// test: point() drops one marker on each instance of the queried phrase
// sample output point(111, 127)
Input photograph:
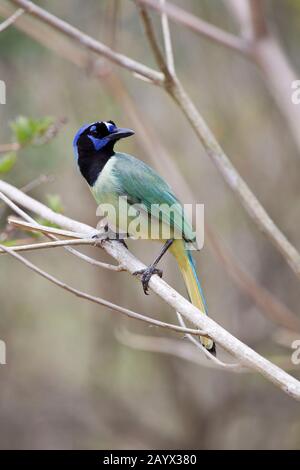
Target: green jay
point(117, 178)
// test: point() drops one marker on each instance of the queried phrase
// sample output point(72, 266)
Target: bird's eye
point(93, 131)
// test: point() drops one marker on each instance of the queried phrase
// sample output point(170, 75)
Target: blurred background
point(77, 375)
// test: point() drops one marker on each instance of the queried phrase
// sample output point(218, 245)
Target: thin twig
point(98, 300)
point(258, 44)
point(9, 21)
point(54, 244)
point(259, 23)
point(199, 345)
point(268, 55)
point(13, 147)
point(41, 179)
point(245, 355)
point(167, 40)
point(173, 347)
point(74, 252)
point(90, 43)
point(192, 22)
point(158, 55)
point(35, 227)
point(182, 350)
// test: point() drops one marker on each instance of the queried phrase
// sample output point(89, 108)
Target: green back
point(142, 185)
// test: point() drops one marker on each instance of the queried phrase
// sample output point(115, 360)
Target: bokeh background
point(76, 374)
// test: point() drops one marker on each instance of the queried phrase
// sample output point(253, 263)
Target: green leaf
point(27, 130)
point(7, 161)
point(23, 129)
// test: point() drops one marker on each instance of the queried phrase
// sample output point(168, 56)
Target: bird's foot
point(146, 276)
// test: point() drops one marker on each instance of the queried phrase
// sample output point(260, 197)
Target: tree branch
point(74, 252)
point(9, 21)
point(182, 350)
point(90, 43)
point(173, 347)
point(259, 45)
point(192, 22)
point(167, 40)
point(240, 351)
point(259, 23)
point(98, 300)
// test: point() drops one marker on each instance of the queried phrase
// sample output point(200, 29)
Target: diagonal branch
point(192, 22)
point(167, 40)
point(89, 43)
point(258, 45)
point(222, 162)
point(236, 348)
point(74, 252)
point(258, 20)
point(9, 21)
point(98, 300)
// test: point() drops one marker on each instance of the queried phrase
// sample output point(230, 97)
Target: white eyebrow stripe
point(108, 125)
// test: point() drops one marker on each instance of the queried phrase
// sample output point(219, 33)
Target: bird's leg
point(150, 270)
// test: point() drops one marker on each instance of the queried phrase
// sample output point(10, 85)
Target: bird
point(132, 188)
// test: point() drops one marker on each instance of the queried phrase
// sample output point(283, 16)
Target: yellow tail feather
point(187, 269)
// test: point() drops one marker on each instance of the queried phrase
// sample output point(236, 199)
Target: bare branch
point(234, 180)
point(160, 60)
point(259, 23)
point(55, 244)
point(267, 53)
point(169, 346)
point(259, 46)
point(192, 22)
point(198, 345)
point(90, 43)
point(183, 350)
point(167, 40)
point(43, 228)
point(84, 257)
point(245, 355)
point(41, 179)
point(9, 21)
point(98, 300)
point(13, 147)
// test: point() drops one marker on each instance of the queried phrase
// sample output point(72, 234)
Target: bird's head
point(96, 137)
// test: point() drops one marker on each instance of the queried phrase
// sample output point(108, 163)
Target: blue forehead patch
point(79, 132)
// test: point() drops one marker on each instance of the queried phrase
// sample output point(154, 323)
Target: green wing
point(142, 185)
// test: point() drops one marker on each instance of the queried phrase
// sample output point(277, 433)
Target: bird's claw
point(146, 276)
